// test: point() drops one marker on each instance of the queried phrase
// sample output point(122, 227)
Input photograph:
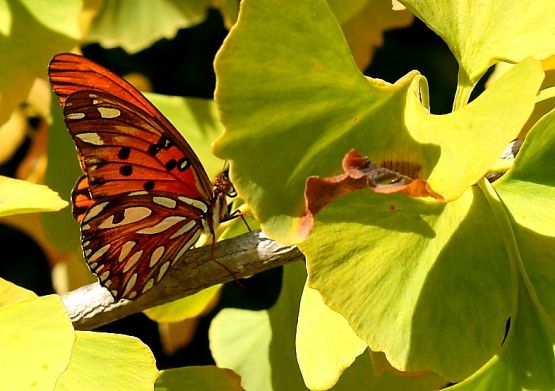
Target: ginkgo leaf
point(482, 33)
point(97, 365)
point(11, 293)
point(136, 25)
point(314, 94)
point(17, 196)
point(57, 25)
point(326, 345)
point(185, 308)
point(37, 338)
point(386, 263)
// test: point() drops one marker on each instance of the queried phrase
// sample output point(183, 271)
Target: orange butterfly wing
point(145, 197)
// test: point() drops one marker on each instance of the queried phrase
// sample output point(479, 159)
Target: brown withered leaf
point(359, 173)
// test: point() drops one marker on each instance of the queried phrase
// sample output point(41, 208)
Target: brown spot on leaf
point(360, 173)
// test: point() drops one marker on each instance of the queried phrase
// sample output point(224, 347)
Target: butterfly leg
point(237, 213)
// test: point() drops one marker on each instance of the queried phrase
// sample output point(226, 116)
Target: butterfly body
point(145, 198)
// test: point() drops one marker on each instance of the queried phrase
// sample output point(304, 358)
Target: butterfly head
point(223, 185)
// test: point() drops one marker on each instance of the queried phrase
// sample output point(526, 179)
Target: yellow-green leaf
point(259, 345)
point(474, 137)
point(482, 33)
point(326, 344)
point(11, 293)
point(185, 308)
point(528, 189)
point(37, 337)
point(17, 196)
point(135, 25)
point(386, 263)
point(526, 362)
point(103, 361)
point(24, 57)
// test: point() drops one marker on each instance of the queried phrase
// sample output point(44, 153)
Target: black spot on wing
point(126, 170)
point(171, 164)
point(124, 153)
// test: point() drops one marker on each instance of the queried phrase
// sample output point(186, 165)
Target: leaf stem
point(545, 94)
point(464, 89)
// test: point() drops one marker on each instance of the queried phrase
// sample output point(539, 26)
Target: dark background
point(183, 66)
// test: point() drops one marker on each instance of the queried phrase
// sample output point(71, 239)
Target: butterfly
point(145, 197)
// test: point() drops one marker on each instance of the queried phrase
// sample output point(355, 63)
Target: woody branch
point(92, 306)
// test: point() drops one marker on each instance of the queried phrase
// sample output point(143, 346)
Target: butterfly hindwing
point(81, 198)
point(130, 242)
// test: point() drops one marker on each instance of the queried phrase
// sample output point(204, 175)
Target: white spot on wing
point(125, 249)
point(87, 252)
point(156, 255)
point(132, 295)
point(93, 212)
point(98, 253)
point(163, 270)
point(93, 96)
point(75, 115)
point(90, 138)
point(149, 284)
point(196, 203)
point(85, 227)
point(162, 225)
point(130, 284)
point(108, 112)
point(104, 276)
point(130, 215)
point(136, 193)
point(186, 228)
point(183, 164)
point(165, 201)
point(132, 261)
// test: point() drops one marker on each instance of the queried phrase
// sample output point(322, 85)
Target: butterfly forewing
point(129, 243)
point(70, 73)
point(124, 149)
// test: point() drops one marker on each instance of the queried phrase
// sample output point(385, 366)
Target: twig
point(92, 306)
